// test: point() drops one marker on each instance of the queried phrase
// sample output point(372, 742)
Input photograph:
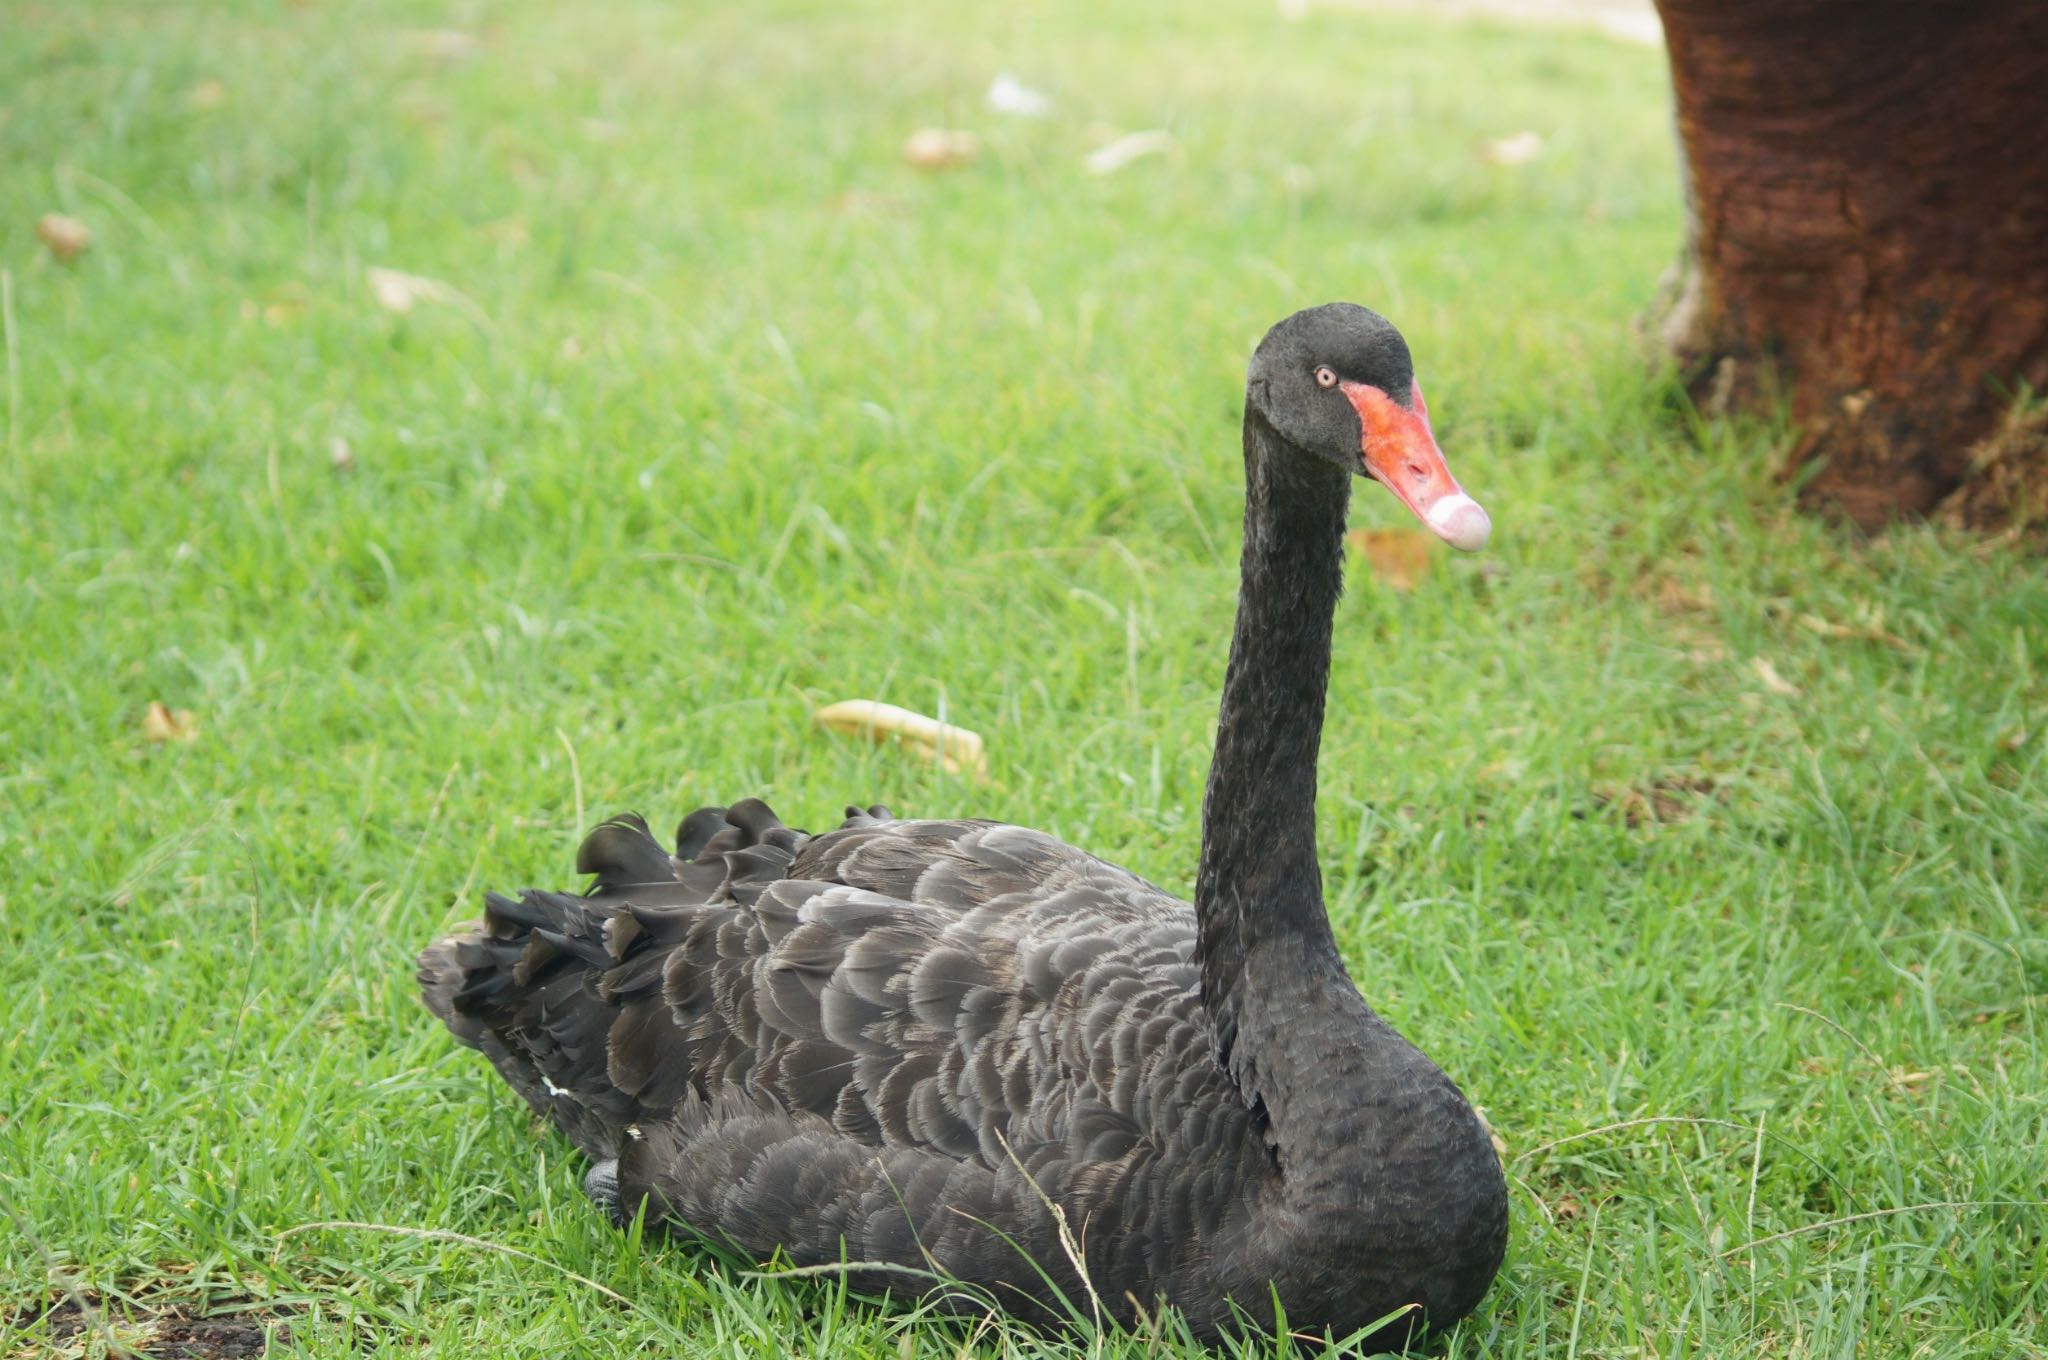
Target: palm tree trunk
point(1868, 186)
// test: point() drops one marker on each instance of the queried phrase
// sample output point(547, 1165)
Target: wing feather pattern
point(877, 1044)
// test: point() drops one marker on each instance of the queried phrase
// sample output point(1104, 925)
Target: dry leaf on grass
point(161, 724)
point(1398, 558)
point(1774, 682)
point(1515, 149)
point(66, 237)
point(940, 148)
point(953, 749)
point(398, 291)
point(1869, 628)
point(1911, 1083)
point(340, 454)
point(1107, 160)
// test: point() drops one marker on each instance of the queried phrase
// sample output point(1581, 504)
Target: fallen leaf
point(1870, 628)
point(953, 749)
point(341, 455)
point(1515, 149)
point(1774, 682)
point(1911, 1083)
point(398, 291)
point(1107, 160)
point(941, 148)
point(161, 724)
point(1007, 94)
point(1399, 558)
point(1567, 1208)
point(66, 237)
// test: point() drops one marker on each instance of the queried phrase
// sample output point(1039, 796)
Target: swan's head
point(1337, 382)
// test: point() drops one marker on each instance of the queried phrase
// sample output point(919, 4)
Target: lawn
point(1705, 844)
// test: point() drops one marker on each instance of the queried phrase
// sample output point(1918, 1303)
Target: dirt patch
point(178, 1332)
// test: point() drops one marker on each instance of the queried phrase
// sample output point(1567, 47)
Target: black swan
point(898, 1044)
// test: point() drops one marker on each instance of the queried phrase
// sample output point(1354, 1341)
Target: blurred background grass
point(1672, 805)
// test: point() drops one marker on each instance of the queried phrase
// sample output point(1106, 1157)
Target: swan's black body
point(895, 1041)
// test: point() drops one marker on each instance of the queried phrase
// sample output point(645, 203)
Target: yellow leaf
point(1107, 160)
point(66, 237)
point(1515, 149)
point(398, 291)
point(161, 724)
point(941, 148)
point(953, 749)
point(1774, 682)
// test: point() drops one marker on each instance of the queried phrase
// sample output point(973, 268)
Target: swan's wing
point(913, 983)
point(871, 1044)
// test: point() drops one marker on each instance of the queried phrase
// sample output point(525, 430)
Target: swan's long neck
point(1299, 1041)
point(1259, 892)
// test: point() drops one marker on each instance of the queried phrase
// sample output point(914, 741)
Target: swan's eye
point(1326, 376)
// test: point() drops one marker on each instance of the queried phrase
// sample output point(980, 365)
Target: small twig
point(1756, 1166)
point(1825, 1224)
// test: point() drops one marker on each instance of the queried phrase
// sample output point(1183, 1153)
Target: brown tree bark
point(1868, 186)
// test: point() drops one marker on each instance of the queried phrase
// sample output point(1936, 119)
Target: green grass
point(738, 414)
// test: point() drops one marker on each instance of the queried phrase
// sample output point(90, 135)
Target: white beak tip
point(1461, 522)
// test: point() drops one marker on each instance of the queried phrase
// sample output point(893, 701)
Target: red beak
point(1397, 449)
